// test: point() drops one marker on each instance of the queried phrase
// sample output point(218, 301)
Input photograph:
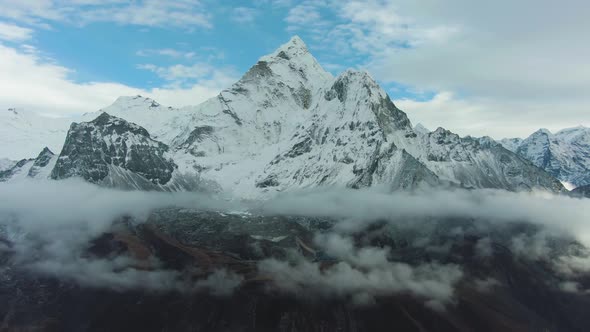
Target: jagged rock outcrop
point(43, 160)
point(583, 191)
point(113, 152)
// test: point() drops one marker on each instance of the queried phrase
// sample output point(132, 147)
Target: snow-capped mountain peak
point(286, 124)
point(294, 48)
point(293, 63)
point(133, 103)
point(542, 132)
point(575, 133)
point(24, 133)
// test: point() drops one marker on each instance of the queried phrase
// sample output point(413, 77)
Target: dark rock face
point(583, 191)
point(92, 149)
point(41, 161)
point(7, 174)
point(198, 135)
point(270, 181)
point(300, 148)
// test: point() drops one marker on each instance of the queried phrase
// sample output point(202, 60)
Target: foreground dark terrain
point(524, 295)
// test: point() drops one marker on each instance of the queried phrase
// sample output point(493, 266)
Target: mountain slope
point(23, 134)
point(565, 154)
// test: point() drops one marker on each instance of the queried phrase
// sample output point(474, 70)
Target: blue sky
point(103, 51)
point(479, 69)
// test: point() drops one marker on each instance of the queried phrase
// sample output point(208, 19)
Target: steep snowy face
point(419, 129)
point(162, 122)
point(23, 134)
point(575, 150)
point(43, 164)
point(361, 98)
point(511, 144)
point(345, 142)
point(262, 108)
point(108, 146)
point(565, 155)
point(537, 148)
point(37, 168)
point(133, 104)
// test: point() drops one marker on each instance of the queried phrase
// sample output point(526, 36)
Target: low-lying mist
point(48, 225)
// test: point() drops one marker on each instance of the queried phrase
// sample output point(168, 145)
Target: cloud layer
point(51, 223)
point(156, 13)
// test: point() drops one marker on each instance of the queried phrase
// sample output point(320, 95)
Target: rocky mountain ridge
point(583, 191)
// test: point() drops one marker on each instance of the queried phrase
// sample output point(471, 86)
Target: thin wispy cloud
point(244, 14)
point(150, 13)
point(182, 75)
point(167, 52)
point(26, 74)
point(14, 33)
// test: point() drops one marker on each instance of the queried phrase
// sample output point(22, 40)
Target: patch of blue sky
point(111, 52)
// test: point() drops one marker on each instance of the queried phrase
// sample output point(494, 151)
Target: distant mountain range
point(565, 154)
point(287, 124)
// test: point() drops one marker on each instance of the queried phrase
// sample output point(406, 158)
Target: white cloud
point(305, 13)
point(32, 83)
point(307, 16)
point(58, 237)
point(178, 72)
point(14, 33)
point(156, 13)
point(379, 23)
point(151, 13)
point(167, 52)
point(494, 117)
point(69, 213)
point(507, 66)
point(244, 14)
point(433, 282)
point(182, 75)
point(359, 208)
point(273, 3)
